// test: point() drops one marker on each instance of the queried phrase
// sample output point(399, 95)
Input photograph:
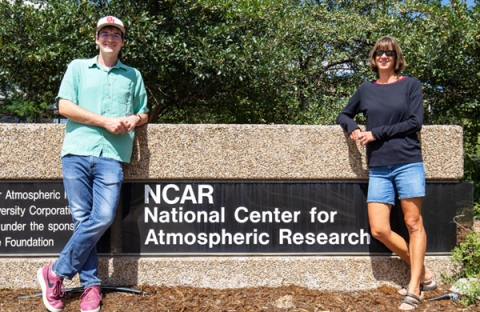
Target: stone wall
point(237, 152)
point(230, 152)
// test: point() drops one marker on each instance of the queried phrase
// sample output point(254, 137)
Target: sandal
point(414, 304)
point(428, 284)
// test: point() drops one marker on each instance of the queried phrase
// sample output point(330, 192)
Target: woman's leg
point(379, 219)
point(411, 185)
point(380, 199)
point(412, 253)
point(412, 209)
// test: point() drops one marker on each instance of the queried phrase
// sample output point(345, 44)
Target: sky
point(469, 2)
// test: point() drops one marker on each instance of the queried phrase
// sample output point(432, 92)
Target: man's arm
point(144, 120)
point(114, 125)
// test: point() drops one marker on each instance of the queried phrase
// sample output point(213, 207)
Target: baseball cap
point(110, 21)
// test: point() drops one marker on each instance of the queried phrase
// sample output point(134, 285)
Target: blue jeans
point(405, 180)
point(93, 188)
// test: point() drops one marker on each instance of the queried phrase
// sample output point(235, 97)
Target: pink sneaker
point(52, 288)
point(91, 299)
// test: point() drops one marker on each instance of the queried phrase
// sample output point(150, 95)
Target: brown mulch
point(286, 298)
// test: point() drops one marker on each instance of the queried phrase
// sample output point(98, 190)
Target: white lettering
point(165, 191)
point(13, 211)
point(188, 195)
point(322, 216)
point(171, 194)
point(155, 195)
point(287, 237)
point(208, 239)
point(205, 190)
point(37, 211)
point(13, 227)
point(151, 238)
point(30, 242)
point(175, 215)
point(32, 195)
point(55, 227)
point(242, 215)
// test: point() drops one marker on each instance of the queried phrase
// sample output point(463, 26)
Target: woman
point(393, 108)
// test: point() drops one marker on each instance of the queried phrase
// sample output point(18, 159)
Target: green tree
point(36, 42)
point(256, 61)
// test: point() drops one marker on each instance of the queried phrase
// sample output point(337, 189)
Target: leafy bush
point(467, 255)
point(471, 291)
point(466, 258)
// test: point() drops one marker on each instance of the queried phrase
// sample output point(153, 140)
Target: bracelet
point(139, 118)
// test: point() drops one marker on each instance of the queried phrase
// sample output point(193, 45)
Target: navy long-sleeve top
point(394, 114)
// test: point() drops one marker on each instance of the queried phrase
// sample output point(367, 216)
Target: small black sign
point(35, 217)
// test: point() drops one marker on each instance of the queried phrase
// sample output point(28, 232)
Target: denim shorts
point(406, 180)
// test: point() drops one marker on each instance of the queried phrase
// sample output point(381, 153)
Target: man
point(104, 100)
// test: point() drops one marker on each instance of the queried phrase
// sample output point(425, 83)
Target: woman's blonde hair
point(388, 43)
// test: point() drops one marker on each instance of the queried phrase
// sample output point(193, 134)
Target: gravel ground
point(287, 298)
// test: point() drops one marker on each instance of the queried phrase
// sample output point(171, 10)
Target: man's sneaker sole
point(96, 310)
point(87, 293)
point(41, 280)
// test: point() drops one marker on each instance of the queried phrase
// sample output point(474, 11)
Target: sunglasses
point(387, 52)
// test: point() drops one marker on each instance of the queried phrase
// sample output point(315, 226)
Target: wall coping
point(227, 152)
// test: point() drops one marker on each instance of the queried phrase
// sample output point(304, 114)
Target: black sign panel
point(204, 217)
point(283, 217)
point(35, 217)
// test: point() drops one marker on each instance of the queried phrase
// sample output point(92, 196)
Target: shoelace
point(59, 288)
point(90, 294)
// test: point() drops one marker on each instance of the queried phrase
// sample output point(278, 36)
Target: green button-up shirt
point(116, 92)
